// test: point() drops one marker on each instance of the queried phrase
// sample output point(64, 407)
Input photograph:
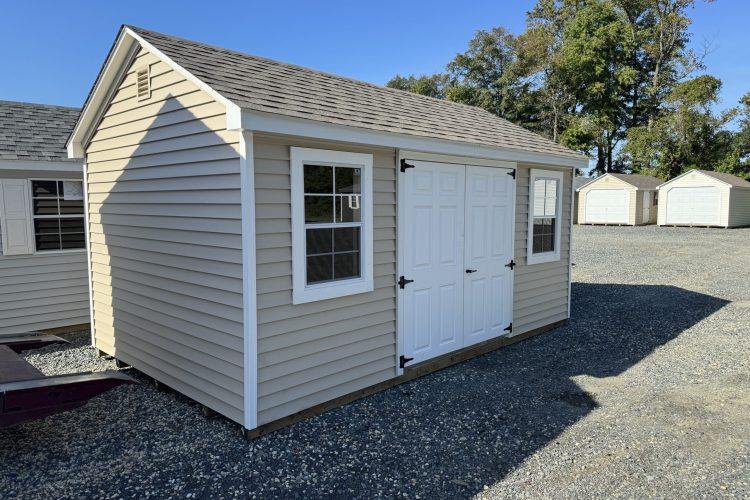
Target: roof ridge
point(40, 104)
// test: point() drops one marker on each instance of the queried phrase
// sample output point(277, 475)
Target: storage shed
point(273, 241)
point(621, 199)
point(705, 198)
point(43, 277)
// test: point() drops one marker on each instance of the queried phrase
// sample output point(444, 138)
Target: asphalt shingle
point(35, 132)
point(264, 85)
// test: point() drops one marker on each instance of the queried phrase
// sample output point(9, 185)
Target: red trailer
point(27, 394)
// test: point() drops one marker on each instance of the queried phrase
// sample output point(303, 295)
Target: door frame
point(400, 228)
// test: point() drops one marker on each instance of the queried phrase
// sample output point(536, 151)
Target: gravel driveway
point(646, 393)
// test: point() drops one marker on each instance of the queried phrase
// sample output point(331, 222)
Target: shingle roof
point(259, 84)
point(728, 178)
point(640, 181)
point(580, 181)
point(35, 131)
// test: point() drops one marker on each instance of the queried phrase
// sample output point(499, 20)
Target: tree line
point(614, 79)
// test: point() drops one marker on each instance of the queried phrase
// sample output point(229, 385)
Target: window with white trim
point(331, 224)
point(545, 214)
point(57, 212)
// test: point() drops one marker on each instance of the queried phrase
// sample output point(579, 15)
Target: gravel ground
point(646, 393)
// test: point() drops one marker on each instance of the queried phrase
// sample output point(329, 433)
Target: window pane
point(47, 242)
point(346, 239)
point(318, 179)
point(45, 206)
point(71, 206)
point(348, 208)
point(73, 240)
point(319, 268)
point(346, 265)
point(72, 190)
point(43, 188)
point(550, 202)
point(318, 209)
point(71, 225)
point(544, 235)
point(348, 180)
point(539, 190)
point(46, 226)
point(319, 241)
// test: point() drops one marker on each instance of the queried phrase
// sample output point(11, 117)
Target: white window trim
point(32, 217)
point(301, 292)
point(540, 258)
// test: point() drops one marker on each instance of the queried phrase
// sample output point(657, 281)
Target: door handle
point(469, 271)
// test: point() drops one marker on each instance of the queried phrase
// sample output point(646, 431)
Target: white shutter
point(15, 217)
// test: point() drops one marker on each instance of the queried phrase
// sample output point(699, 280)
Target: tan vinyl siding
point(315, 352)
point(635, 205)
point(166, 243)
point(695, 179)
point(540, 291)
point(46, 290)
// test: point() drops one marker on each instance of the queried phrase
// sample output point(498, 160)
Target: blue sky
point(52, 50)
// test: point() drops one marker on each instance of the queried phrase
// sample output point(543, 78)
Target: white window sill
point(542, 258)
point(331, 290)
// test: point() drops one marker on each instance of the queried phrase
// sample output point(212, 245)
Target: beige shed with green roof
point(273, 241)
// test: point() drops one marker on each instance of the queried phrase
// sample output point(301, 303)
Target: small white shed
point(705, 198)
point(273, 241)
point(43, 277)
point(618, 199)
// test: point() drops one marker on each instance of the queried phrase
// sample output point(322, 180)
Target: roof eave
point(257, 121)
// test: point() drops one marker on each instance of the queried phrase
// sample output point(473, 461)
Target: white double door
point(457, 246)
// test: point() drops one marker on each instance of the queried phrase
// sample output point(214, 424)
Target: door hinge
point(509, 328)
point(402, 282)
point(403, 360)
point(405, 165)
point(511, 264)
point(512, 173)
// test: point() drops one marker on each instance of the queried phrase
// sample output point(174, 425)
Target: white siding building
point(43, 277)
point(705, 198)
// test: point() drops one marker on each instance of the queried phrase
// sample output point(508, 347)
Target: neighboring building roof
point(579, 182)
point(730, 179)
point(35, 132)
point(640, 181)
point(264, 85)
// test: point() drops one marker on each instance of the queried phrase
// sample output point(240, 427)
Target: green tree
point(429, 85)
point(688, 134)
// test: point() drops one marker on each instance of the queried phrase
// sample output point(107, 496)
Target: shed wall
point(312, 353)
point(694, 179)
point(739, 207)
point(611, 183)
point(46, 290)
point(165, 231)
point(540, 291)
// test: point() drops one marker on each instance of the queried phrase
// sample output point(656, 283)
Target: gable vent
point(143, 83)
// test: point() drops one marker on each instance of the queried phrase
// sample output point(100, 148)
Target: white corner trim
point(249, 280)
point(88, 252)
point(301, 292)
point(570, 242)
point(233, 112)
point(532, 258)
point(300, 127)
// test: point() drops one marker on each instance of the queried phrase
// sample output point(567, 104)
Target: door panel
point(433, 254)
point(490, 202)
point(607, 206)
point(693, 205)
point(646, 206)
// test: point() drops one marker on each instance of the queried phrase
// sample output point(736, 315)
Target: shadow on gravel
point(445, 435)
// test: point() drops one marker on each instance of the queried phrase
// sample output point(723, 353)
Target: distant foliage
point(611, 78)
